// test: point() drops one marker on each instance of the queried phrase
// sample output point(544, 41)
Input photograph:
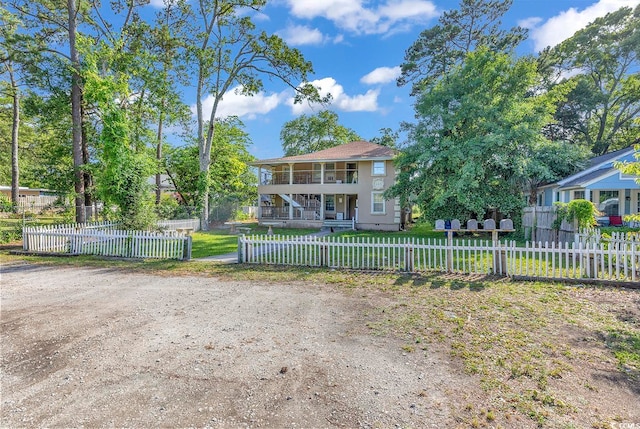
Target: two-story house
point(341, 186)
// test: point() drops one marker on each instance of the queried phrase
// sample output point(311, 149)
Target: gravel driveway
point(99, 347)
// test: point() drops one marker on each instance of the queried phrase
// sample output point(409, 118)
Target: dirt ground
point(96, 347)
point(103, 347)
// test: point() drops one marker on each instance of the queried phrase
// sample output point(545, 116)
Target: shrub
point(582, 211)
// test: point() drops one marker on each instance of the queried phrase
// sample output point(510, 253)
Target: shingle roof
point(609, 156)
point(358, 150)
point(584, 179)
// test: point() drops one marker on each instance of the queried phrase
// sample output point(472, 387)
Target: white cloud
point(530, 23)
point(157, 3)
point(298, 35)
point(565, 24)
point(243, 106)
point(381, 75)
point(367, 102)
point(353, 16)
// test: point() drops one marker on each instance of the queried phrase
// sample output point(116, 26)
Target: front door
point(352, 203)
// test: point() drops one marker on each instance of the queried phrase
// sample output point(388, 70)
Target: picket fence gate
point(92, 239)
point(596, 262)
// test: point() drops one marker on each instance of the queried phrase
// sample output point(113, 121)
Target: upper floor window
point(378, 168)
point(578, 195)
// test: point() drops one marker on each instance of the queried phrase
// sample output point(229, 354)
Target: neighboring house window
point(377, 202)
point(609, 203)
point(539, 198)
point(330, 203)
point(378, 168)
point(578, 195)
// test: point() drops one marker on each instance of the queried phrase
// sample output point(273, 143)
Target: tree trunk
point(76, 114)
point(15, 127)
point(204, 188)
point(88, 180)
point(159, 158)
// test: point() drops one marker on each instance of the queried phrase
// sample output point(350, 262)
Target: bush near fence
point(596, 261)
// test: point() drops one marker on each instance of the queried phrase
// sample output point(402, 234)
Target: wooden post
point(450, 250)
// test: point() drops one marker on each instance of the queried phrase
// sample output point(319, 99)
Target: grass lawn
point(221, 241)
point(523, 354)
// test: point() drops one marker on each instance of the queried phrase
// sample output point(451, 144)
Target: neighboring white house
point(614, 193)
point(343, 185)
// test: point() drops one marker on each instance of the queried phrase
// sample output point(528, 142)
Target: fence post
point(408, 257)
point(240, 249)
point(450, 251)
point(188, 245)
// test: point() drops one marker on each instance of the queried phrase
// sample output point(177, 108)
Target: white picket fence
point(597, 262)
point(91, 239)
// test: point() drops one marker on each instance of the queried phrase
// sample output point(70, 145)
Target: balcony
point(305, 177)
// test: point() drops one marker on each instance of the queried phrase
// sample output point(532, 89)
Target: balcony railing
point(283, 213)
point(303, 177)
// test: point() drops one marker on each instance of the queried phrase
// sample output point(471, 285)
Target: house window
point(330, 172)
point(609, 203)
point(378, 168)
point(330, 203)
point(377, 203)
point(578, 195)
point(539, 198)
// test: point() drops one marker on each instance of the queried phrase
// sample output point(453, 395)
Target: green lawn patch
point(222, 241)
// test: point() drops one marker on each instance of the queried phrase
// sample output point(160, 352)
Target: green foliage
point(387, 138)
point(5, 203)
point(601, 111)
point(311, 133)
point(441, 48)
point(470, 149)
point(632, 168)
point(122, 171)
point(584, 212)
point(229, 176)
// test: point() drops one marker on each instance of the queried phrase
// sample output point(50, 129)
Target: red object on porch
point(615, 221)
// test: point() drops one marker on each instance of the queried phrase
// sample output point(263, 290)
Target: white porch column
point(622, 201)
point(291, 206)
point(321, 206)
point(587, 194)
point(322, 174)
point(290, 173)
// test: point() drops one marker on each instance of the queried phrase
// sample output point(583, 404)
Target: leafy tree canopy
point(603, 109)
point(469, 150)
point(311, 133)
point(440, 48)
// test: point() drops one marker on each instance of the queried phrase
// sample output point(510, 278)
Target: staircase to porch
point(339, 224)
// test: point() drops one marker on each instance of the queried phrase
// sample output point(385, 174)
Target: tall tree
point(469, 150)
point(227, 50)
point(440, 48)
point(229, 177)
point(311, 133)
point(603, 109)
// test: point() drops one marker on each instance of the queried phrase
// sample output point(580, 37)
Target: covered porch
point(309, 210)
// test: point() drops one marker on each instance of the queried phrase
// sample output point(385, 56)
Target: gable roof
point(358, 150)
point(598, 166)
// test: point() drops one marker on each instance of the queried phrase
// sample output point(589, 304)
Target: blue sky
point(356, 47)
